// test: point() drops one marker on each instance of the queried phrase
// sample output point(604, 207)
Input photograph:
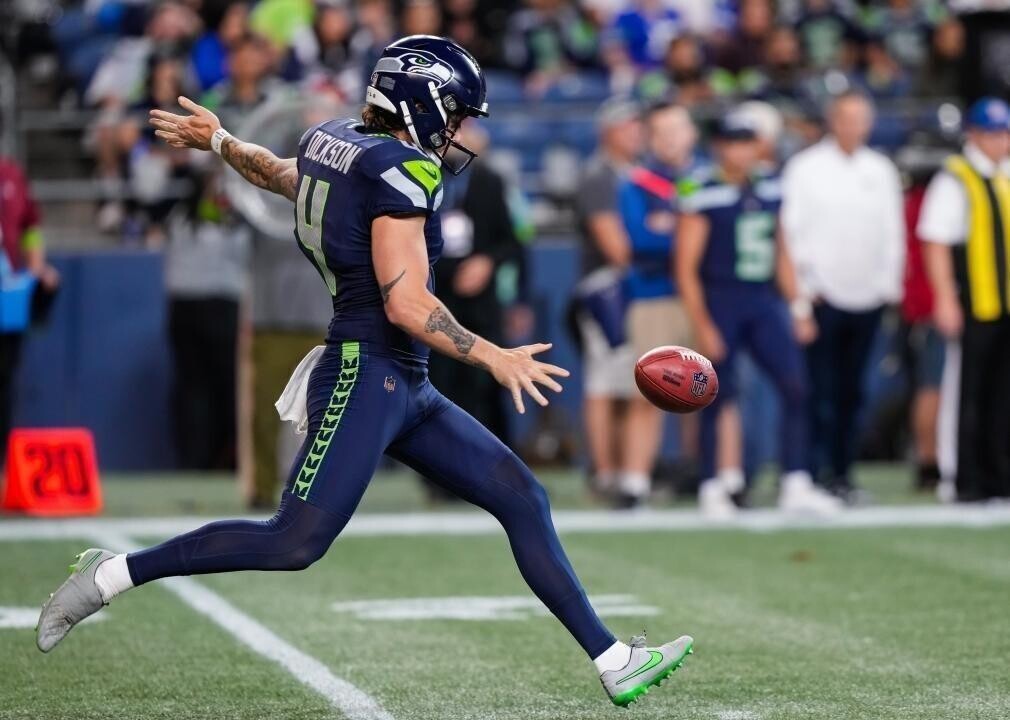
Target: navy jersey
point(347, 178)
point(742, 222)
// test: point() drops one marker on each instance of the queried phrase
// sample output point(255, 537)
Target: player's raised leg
point(455, 451)
point(352, 418)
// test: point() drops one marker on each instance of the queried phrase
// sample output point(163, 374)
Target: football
point(676, 379)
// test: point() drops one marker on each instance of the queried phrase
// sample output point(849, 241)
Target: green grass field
point(830, 623)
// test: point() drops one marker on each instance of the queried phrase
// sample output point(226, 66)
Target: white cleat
point(715, 502)
point(77, 598)
point(798, 494)
point(647, 667)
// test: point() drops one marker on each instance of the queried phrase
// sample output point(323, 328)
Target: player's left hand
point(516, 370)
point(805, 330)
point(186, 131)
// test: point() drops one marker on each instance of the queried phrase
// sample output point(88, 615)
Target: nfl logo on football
point(699, 381)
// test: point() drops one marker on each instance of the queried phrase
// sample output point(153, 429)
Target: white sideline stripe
point(582, 521)
point(21, 618)
point(345, 697)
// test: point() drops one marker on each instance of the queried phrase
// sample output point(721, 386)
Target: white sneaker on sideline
point(946, 492)
point(715, 502)
point(797, 493)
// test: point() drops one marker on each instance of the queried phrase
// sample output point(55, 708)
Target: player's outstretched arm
point(253, 162)
point(400, 258)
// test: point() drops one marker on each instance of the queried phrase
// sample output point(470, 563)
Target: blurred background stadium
point(172, 304)
point(78, 79)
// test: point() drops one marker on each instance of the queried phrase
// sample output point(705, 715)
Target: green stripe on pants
point(350, 353)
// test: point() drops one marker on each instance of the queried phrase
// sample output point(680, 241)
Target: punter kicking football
point(367, 193)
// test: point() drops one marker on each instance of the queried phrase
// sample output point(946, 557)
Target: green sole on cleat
point(628, 697)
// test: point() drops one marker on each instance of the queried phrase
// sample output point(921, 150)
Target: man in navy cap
point(965, 224)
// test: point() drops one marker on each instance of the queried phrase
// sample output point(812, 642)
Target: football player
point(367, 193)
point(738, 286)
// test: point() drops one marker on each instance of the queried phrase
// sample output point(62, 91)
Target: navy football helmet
point(433, 84)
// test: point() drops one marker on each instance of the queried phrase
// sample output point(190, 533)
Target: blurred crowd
point(701, 48)
point(124, 57)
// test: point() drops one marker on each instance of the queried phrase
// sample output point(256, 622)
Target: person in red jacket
point(21, 249)
point(923, 347)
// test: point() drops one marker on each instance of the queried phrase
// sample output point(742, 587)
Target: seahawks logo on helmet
point(416, 62)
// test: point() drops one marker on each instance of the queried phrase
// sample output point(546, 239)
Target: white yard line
point(354, 703)
point(581, 521)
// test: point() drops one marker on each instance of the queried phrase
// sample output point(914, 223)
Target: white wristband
point(217, 138)
point(801, 309)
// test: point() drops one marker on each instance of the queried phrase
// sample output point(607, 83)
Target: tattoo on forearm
point(388, 287)
point(261, 167)
point(442, 321)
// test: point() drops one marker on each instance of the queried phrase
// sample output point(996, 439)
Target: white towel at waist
point(292, 405)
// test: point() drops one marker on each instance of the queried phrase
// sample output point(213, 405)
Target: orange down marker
point(52, 472)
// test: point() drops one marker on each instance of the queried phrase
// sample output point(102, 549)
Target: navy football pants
point(757, 322)
point(361, 406)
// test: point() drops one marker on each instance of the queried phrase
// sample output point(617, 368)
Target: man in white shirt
point(965, 223)
point(843, 220)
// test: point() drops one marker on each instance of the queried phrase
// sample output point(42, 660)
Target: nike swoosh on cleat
point(91, 560)
point(654, 660)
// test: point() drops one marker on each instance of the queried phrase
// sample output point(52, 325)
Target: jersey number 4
point(755, 246)
point(309, 209)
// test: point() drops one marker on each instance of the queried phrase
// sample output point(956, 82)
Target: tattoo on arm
point(261, 167)
point(388, 287)
point(441, 321)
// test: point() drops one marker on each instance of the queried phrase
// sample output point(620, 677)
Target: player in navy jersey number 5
point(739, 288)
point(367, 193)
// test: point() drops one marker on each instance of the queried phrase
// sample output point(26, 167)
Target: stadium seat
point(504, 87)
point(583, 87)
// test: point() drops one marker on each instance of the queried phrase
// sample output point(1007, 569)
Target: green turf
point(861, 624)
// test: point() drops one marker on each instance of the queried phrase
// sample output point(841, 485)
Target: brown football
point(676, 379)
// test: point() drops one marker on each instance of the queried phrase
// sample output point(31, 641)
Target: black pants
point(837, 362)
point(10, 354)
point(983, 436)
point(204, 336)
